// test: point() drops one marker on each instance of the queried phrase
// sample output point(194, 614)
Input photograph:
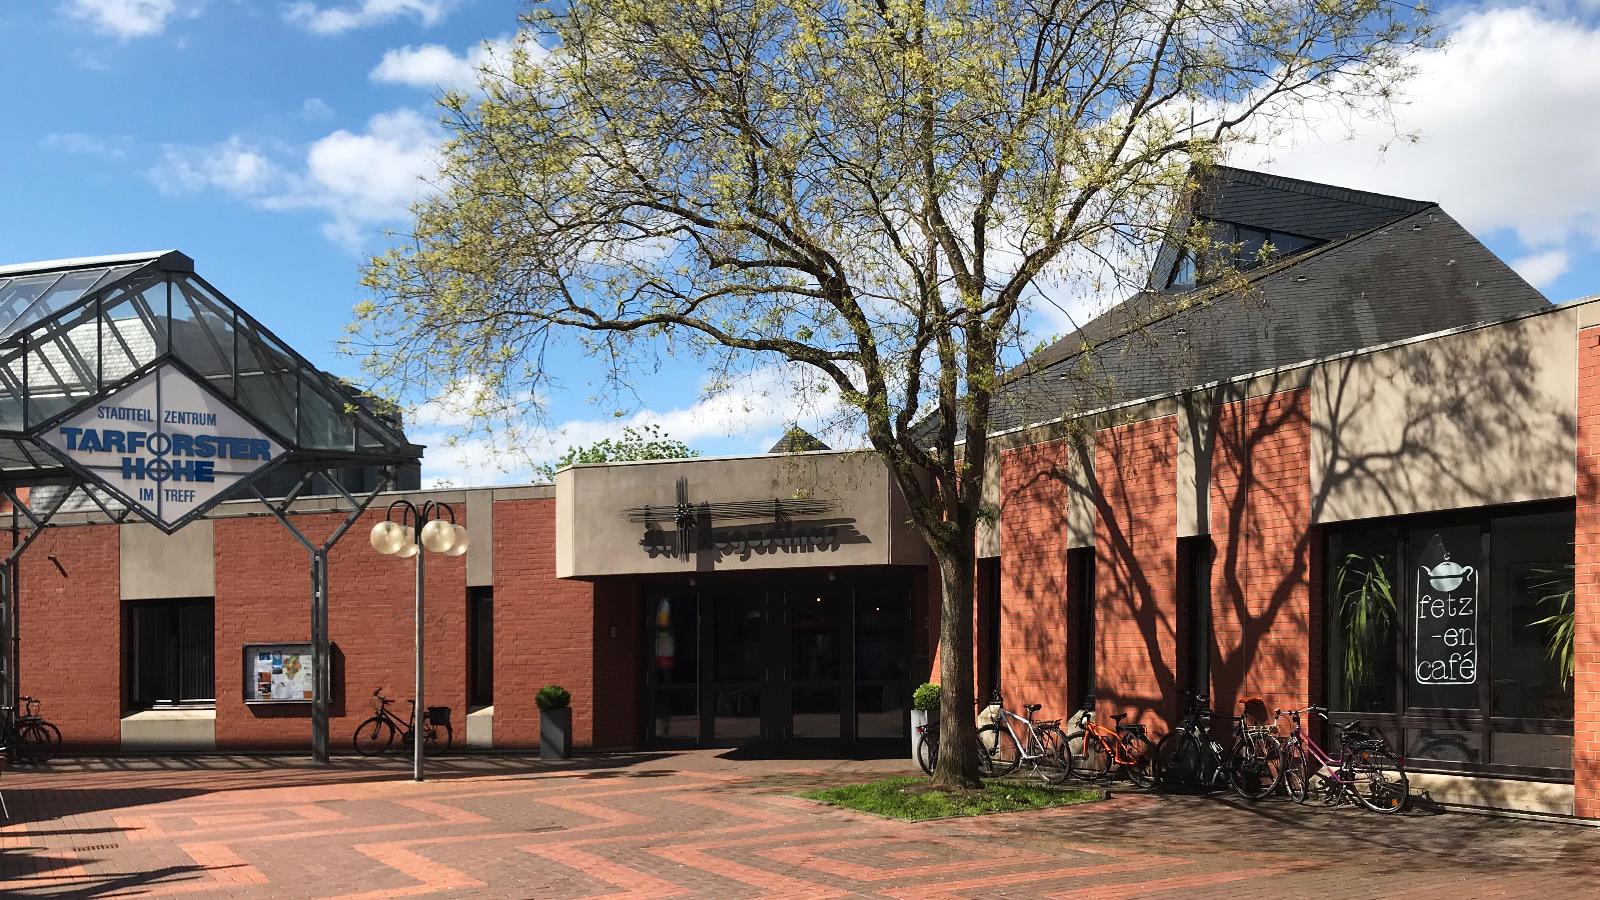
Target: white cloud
point(746, 415)
point(315, 109)
point(1506, 138)
point(427, 66)
point(128, 19)
point(435, 66)
point(80, 144)
point(359, 179)
point(1540, 269)
point(234, 166)
point(339, 19)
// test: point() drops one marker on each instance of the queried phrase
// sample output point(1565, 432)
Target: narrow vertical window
point(480, 609)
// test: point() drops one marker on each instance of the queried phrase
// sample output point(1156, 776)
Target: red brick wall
point(71, 633)
point(264, 594)
point(1033, 570)
point(617, 650)
point(1136, 526)
point(1586, 598)
point(1260, 525)
point(543, 627)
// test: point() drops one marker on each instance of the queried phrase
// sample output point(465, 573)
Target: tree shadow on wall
point(1453, 422)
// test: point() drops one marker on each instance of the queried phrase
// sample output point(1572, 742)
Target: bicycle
point(30, 738)
point(1255, 764)
point(1000, 751)
point(1187, 756)
point(1099, 747)
point(1365, 770)
point(928, 744)
point(375, 735)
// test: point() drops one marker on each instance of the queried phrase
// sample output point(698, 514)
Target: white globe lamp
point(388, 537)
point(463, 540)
point(438, 536)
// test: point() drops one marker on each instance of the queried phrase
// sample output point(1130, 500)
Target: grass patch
point(913, 799)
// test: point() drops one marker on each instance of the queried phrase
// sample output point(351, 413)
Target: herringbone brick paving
point(701, 824)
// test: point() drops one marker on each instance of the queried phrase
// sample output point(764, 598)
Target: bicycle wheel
point(374, 736)
point(1255, 766)
point(927, 751)
point(1379, 783)
point(437, 739)
point(1054, 763)
point(1090, 758)
point(1141, 755)
point(1178, 762)
point(36, 743)
point(1296, 775)
point(998, 753)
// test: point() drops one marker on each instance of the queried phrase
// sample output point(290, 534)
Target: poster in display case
point(278, 673)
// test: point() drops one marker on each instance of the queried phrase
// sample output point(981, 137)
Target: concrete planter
point(555, 733)
point(919, 718)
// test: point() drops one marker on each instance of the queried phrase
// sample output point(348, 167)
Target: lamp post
point(419, 528)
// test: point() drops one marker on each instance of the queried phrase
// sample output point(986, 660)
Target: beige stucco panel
point(595, 538)
point(480, 550)
point(989, 528)
point(1471, 419)
point(157, 566)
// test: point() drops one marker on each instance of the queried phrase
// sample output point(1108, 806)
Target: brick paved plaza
point(699, 824)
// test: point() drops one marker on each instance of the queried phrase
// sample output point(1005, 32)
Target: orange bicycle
point(1095, 748)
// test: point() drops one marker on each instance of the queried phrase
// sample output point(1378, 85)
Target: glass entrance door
point(743, 660)
point(741, 666)
point(819, 628)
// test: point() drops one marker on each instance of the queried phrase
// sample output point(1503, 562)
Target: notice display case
point(278, 673)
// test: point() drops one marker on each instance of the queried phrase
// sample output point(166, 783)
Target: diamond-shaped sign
point(165, 445)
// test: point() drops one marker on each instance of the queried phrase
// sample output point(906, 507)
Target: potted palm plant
point(924, 709)
point(555, 721)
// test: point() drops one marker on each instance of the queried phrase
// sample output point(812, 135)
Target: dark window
point(1194, 593)
point(1363, 633)
point(1445, 571)
point(1531, 624)
point(480, 607)
point(1453, 632)
point(170, 652)
point(1184, 274)
point(988, 625)
point(1080, 616)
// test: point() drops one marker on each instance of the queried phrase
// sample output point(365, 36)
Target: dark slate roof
point(798, 440)
point(1420, 273)
point(1320, 211)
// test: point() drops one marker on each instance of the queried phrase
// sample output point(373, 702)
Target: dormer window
point(1241, 247)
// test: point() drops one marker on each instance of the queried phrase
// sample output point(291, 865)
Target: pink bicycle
point(1365, 770)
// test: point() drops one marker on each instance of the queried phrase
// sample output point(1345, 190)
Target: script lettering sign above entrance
point(700, 527)
point(165, 445)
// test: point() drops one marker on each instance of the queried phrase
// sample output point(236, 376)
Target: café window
point(170, 652)
point(1453, 633)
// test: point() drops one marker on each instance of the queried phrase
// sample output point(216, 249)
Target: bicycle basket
point(438, 715)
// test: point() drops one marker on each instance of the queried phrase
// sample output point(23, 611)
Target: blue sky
point(276, 141)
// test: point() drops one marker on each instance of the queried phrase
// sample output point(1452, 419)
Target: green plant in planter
point(926, 697)
point(553, 696)
point(1367, 612)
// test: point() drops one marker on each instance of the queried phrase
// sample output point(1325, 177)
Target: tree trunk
point(957, 766)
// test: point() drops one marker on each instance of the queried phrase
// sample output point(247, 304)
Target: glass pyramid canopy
point(74, 331)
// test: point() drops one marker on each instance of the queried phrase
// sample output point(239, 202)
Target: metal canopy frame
point(73, 332)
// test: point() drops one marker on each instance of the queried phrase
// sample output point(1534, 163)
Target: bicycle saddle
point(1033, 707)
point(1119, 716)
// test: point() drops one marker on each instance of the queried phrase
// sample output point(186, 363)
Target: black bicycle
point(376, 735)
point(1188, 757)
point(29, 737)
